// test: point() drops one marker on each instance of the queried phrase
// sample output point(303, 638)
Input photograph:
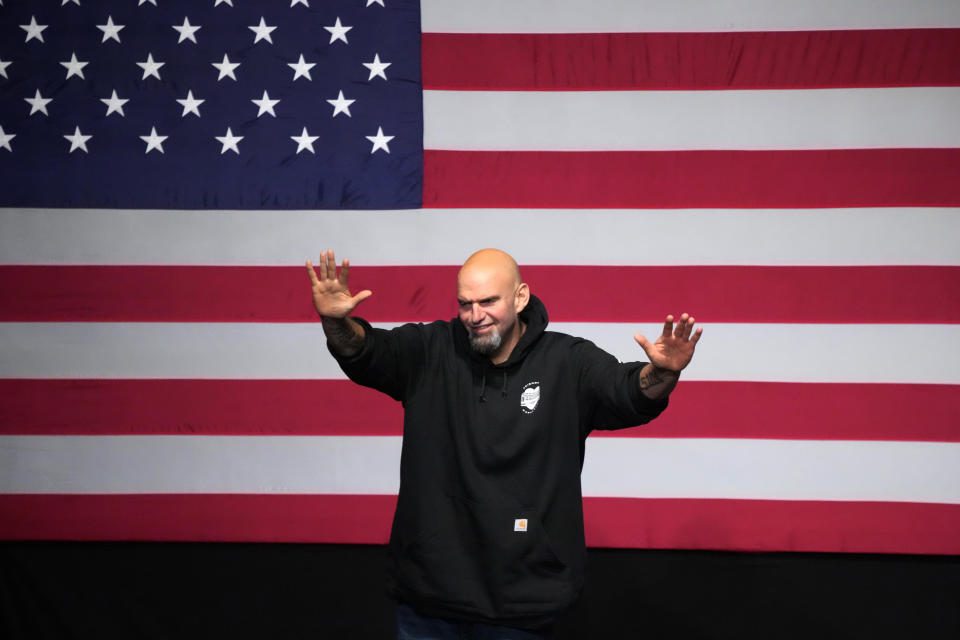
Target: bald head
point(491, 264)
point(491, 294)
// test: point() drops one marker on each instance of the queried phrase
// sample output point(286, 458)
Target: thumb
point(642, 341)
point(360, 297)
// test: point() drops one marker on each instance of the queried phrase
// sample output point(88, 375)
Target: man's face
point(487, 309)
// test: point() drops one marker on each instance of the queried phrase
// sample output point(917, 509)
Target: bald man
point(487, 539)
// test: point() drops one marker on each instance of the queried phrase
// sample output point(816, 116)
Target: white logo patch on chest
point(530, 397)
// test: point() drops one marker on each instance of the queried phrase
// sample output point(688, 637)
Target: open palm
point(331, 292)
point(674, 348)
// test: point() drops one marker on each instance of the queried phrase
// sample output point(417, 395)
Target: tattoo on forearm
point(649, 377)
point(656, 383)
point(343, 335)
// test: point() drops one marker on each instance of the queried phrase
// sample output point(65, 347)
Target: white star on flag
point(74, 67)
point(115, 104)
point(150, 68)
point(338, 32)
point(226, 68)
point(153, 2)
point(5, 139)
point(38, 103)
point(376, 67)
point(304, 141)
point(186, 31)
point(33, 29)
point(294, 3)
point(379, 2)
point(229, 2)
point(380, 141)
point(190, 104)
point(262, 31)
point(302, 68)
point(154, 141)
point(110, 31)
point(76, 2)
point(229, 142)
point(341, 105)
point(78, 141)
point(3, 67)
point(266, 105)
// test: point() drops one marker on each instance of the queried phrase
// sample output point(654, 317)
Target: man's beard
point(487, 343)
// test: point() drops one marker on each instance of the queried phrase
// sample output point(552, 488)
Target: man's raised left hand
point(674, 348)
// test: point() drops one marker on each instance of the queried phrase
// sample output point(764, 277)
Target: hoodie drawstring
point(483, 386)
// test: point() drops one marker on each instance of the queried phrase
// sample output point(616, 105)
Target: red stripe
point(753, 60)
point(743, 525)
point(692, 179)
point(772, 525)
point(281, 294)
point(197, 517)
point(207, 407)
point(914, 412)
point(809, 412)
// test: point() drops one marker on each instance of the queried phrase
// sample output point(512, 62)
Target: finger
point(323, 265)
point(345, 272)
point(686, 326)
point(331, 265)
point(668, 327)
point(696, 335)
point(313, 274)
point(360, 297)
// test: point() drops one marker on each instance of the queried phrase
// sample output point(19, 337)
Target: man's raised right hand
point(331, 294)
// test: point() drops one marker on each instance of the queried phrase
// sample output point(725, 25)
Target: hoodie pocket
point(495, 560)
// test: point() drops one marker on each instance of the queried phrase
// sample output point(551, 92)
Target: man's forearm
point(344, 335)
point(657, 383)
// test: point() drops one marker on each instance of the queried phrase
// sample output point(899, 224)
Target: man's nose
point(476, 314)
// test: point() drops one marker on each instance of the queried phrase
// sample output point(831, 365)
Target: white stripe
point(901, 117)
point(577, 16)
point(772, 469)
point(875, 236)
point(635, 467)
point(884, 353)
point(199, 464)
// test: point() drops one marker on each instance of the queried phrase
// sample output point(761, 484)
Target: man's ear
point(522, 297)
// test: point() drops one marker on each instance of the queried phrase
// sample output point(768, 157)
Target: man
point(487, 538)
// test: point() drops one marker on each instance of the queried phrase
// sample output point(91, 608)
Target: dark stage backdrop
point(163, 590)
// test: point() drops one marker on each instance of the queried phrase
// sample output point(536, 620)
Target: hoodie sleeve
point(388, 360)
point(611, 389)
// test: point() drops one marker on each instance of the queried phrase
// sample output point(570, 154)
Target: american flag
point(787, 172)
point(198, 105)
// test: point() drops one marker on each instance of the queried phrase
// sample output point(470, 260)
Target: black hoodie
point(489, 520)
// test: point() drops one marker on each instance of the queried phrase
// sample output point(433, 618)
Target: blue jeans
point(413, 626)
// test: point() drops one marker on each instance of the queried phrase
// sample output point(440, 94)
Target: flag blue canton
point(72, 142)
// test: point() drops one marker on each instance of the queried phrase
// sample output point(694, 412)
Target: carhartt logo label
point(520, 524)
point(530, 397)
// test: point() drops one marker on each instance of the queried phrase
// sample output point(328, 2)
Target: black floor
point(153, 590)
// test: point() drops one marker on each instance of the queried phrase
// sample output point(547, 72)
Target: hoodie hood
point(534, 316)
